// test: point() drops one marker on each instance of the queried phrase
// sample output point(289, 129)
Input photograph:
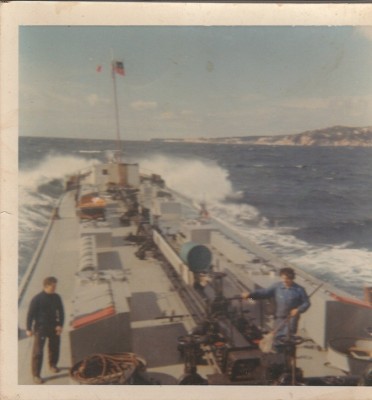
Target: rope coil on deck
point(107, 369)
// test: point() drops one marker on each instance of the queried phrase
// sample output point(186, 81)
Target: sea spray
point(346, 268)
point(201, 181)
point(206, 181)
point(39, 189)
point(271, 213)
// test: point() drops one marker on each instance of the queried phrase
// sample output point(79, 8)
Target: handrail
point(31, 267)
point(267, 256)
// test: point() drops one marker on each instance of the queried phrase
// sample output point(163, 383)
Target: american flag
point(118, 67)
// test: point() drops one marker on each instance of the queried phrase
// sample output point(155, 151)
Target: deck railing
point(31, 267)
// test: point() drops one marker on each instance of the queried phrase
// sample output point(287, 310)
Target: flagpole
point(118, 155)
point(118, 140)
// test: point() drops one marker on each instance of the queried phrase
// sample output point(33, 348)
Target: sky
point(193, 81)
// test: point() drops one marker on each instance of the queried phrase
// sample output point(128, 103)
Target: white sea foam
point(206, 181)
point(202, 181)
point(341, 265)
point(345, 267)
point(34, 206)
point(52, 167)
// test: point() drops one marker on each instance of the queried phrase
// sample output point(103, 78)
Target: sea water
point(310, 205)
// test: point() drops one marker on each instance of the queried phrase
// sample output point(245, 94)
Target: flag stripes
point(118, 67)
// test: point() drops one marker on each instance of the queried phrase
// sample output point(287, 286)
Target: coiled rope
point(107, 369)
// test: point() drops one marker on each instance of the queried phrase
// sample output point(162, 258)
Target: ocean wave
point(345, 267)
point(202, 181)
point(39, 189)
point(341, 265)
point(351, 233)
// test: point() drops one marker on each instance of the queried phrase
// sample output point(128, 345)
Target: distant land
point(334, 136)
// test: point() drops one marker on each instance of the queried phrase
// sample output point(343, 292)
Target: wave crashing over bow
point(202, 180)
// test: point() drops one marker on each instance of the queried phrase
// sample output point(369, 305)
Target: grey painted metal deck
point(59, 258)
point(152, 297)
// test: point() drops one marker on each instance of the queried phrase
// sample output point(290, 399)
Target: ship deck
point(152, 299)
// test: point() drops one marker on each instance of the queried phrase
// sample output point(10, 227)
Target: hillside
point(334, 136)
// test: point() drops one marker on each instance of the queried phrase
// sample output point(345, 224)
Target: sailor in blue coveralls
point(291, 301)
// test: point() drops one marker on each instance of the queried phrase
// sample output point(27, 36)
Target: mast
point(118, 139)
point(117, 67)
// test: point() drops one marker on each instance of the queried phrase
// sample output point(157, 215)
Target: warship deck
point(154, 302)
point(152, 299)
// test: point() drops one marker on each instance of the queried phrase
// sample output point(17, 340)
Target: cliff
point(334, 136)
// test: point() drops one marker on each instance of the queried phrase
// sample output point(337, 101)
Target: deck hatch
point(92, 304)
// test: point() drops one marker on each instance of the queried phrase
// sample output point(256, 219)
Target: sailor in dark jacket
point(45, 320)
point(291, 300)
